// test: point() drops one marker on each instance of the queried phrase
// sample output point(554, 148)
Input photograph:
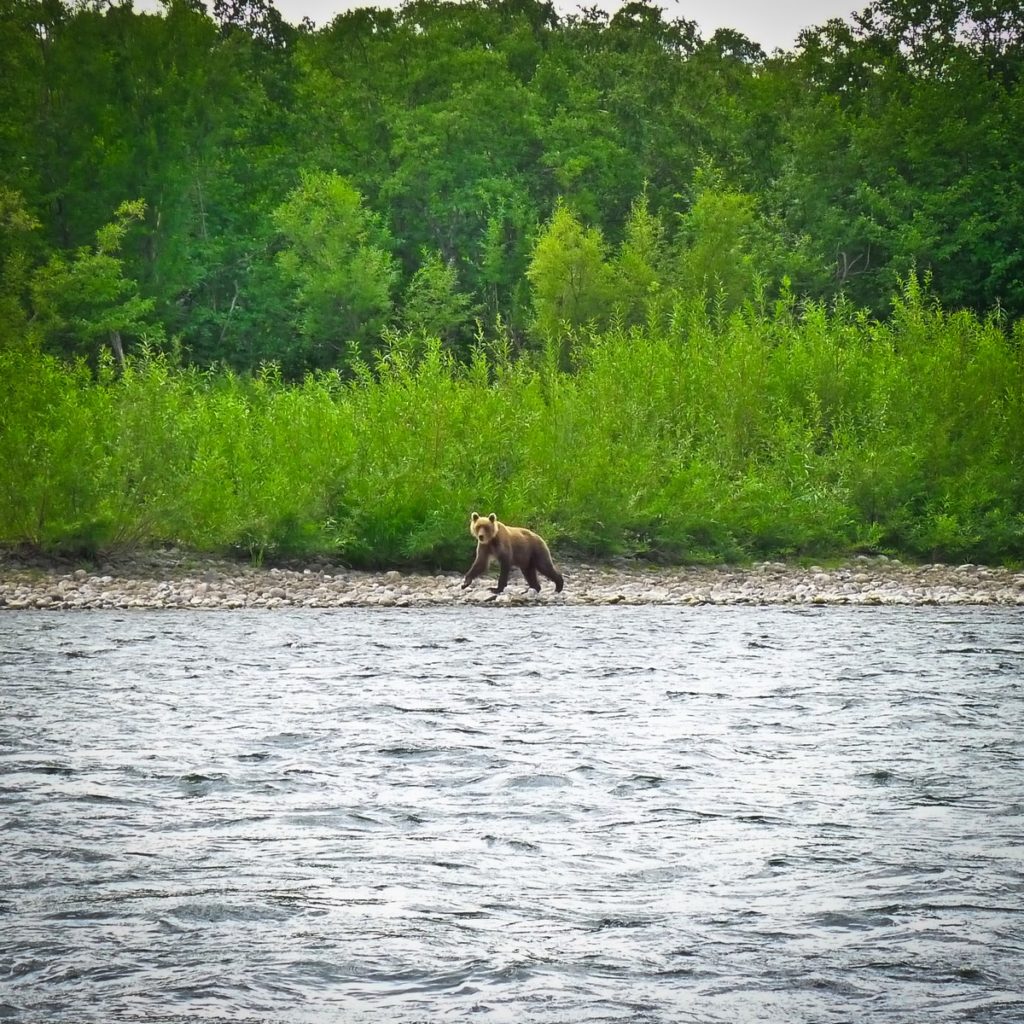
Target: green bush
point(757, 434)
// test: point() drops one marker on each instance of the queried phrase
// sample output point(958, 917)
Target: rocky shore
point(177, 579)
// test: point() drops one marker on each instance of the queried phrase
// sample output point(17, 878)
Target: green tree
point(504, 257)
point(17, 226)
point(902, 151)
point(640, 267)
point(336, 261)
point(571, 282)
point(433, 306)
point(719, 240)
point(85, 302)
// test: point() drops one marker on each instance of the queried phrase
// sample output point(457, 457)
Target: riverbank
point(181, 579)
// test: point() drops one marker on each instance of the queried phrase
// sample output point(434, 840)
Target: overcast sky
point(772, 23)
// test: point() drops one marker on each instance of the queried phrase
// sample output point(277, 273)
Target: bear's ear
point(493, 518)
point(474, 517)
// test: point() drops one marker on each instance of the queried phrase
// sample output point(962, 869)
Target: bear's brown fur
point(510, 545)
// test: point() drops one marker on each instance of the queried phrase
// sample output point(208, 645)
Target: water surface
point(537, 814)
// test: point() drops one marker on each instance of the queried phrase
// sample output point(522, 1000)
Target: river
point(519, 815)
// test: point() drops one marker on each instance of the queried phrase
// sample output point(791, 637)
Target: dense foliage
point(758, 434)
point(285, 289)
point(293, 190)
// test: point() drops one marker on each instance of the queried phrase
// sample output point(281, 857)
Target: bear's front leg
point(502, 577)
point(479, 565)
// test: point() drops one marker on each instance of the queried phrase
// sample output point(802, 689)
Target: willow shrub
point(787, 432)
point(49, 442)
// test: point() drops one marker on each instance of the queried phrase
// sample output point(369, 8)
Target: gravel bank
point(176, 579)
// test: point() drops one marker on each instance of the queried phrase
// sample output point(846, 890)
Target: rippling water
point(545, 814)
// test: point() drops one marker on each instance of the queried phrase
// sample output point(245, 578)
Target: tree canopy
point(251, 190)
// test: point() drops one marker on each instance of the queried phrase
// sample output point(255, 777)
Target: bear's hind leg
point(530, 572)
point(547, 567)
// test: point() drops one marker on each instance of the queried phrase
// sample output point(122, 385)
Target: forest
point(281, 289)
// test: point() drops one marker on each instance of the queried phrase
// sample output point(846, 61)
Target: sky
point(772, 23)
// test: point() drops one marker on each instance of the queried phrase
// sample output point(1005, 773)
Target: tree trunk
point(118, 349)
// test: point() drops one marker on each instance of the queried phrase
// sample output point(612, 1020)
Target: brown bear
point(510, 545)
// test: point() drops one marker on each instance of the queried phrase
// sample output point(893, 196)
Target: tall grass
point(810, 432)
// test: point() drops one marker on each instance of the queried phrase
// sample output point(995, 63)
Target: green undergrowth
point(793, 433)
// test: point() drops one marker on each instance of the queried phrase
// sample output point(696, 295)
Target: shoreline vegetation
point(175, 579)
point(795, 432)
point(284, 293)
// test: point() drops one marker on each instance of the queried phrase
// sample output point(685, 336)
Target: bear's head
point(483, 528)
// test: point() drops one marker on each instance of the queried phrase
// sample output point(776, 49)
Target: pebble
point(176, 579)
